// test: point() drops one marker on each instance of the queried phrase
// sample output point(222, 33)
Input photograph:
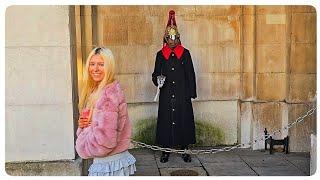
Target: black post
point(284, 144)
point(271, 144)
point(287, 149)
point(265, 139)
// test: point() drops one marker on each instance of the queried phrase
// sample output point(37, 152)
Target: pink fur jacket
point(110, 129)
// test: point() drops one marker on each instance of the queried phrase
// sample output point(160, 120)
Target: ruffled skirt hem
point(122, 164)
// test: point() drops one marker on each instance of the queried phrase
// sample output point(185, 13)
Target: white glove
point(160, 80)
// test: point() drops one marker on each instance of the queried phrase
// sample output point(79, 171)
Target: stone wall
point(264, 57)
point(212, 34)
point(285, 72)
point(39, 115)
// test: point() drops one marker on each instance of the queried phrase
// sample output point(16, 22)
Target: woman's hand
point(83, 122)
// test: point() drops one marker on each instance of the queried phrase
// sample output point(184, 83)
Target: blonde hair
point(88, 83)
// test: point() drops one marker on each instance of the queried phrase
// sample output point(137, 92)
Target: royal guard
point(175, 77)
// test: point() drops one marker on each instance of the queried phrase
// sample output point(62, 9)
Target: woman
point(104, 130)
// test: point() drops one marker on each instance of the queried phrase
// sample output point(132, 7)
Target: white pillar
point(39, 114)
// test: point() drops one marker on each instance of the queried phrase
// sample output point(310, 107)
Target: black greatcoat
point(175, 124)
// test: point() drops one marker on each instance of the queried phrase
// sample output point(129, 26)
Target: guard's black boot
point(186, 157)
point(164, 157)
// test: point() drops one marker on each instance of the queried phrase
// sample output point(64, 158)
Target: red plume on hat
point(172, 19)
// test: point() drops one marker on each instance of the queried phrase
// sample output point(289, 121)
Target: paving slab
point(238, 162)
point(167, 171)
point(147, 171)
point(292, 158)
point(229, 169)
point(288, 170)
point(145, 160)
point(219, 157)
point(302, 164)
point(175, 160)
point(298, 155)
point(248, 152)
point(300, 160)
point(265, 161)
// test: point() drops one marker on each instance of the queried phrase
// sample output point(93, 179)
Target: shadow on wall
point(206, 133)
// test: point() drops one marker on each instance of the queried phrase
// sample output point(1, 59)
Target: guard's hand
point(160, 80)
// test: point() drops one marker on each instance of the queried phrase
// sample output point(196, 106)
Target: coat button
point(172, 54)
point(173, 82)
point(173, 96)
point(172, 69)
point(172, 109)
point(173, 123)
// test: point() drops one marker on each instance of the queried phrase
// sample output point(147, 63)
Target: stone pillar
point(301, 94)
point(39, 104)
point(248, 53)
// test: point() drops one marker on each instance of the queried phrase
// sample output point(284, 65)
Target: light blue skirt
point(122, 164)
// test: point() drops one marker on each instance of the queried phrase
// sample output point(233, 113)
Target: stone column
point(39, 104)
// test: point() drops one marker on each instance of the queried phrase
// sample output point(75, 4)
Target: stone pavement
point(239, 162)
